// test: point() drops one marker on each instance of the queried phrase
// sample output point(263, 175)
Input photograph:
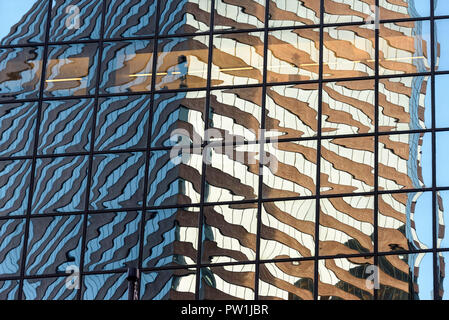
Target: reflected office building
point(257, 149)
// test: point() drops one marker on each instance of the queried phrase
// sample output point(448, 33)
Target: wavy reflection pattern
point(9, 290)
point(60, 184)
point(14, 187)
point(17, 123)
point(112, 240)
point(54, 243)
point(65, 26)
point(21, 71)
point(65, 126)
point(47, 289)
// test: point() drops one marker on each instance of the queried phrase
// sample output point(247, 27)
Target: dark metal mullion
point(436, 272)
point(318, 155)
point(262, 155)
point(247, 262)
point(91, 150)
point(376, 146)
point(204, 151)
point(148, 148)
point(34, 159)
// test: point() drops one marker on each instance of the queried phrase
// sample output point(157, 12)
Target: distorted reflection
point(406, 277)
point(15, 188)
point(174, 180)
point(231, 14)
point(178, 119)
point(127, 66)
point(336, 11)
point(349, 51)
point(234, 282)
point(9, 290)
point(131, 18)
point(229, 233)
point(184, 17)
point(288, 229)
point(105, 287)
point(232, 172)
point(235, 114)
point(405, 161)
point(182, 63)
point(17, 123)
point(122, 123)
point(177, 284)
point(286, 280)
point(285, 13)
point(75, 20)
point(12, 237)
point(237, 58)
point(71, 70)
point(347, 165)
point(403, 104)
point(289, 169)
point(54, 244)
point(403, 47)
point(292, 111)
point(47, 289)
point(346, 225)
point(293, 55)
point(65, 126)
point(405, 221)
point(103, 232)
point(345, 279)
point(348, 107)
point(20, 73)
point(442, 54)
point(171, 237)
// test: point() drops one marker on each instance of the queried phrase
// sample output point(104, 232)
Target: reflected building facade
point(260, 149)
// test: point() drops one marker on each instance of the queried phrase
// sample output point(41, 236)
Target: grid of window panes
point(292, 151)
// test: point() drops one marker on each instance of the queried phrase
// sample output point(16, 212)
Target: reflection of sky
point(11, 11)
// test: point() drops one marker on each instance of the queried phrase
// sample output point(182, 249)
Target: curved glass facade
point(257, 149)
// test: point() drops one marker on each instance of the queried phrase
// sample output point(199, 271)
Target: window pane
point(20, 73)
point(182, 63)
point(237, 59)
point(286, 280)
point(127, 66)
point(131, 18)
point(75, 20)
point(71, 70)
point(348, 52)
point(231, 14)
point(293, 55)
point(284, 13)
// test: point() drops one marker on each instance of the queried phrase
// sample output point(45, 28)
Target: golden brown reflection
point(234, 282)
point(182, 63)
point(230, 233)
point(288, 229)
point(346, 225)
point(292, 111)
point(293, 55)
point(286, 281)
point(237, 59)
point(294, 172)
point(347, 165)
point(345, 279)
